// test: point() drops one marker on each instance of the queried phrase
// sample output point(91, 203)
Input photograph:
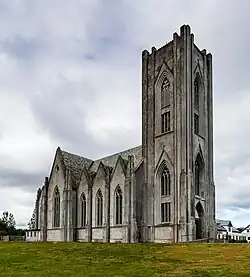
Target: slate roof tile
point(76, 163)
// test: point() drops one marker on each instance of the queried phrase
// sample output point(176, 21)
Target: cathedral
point(160, 191)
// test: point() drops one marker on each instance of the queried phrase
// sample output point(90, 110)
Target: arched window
point(56, 201)
point(83, 210)
point(165, 93)
point(197, 175)
point(165, 182)
point(99, 208)
point(118, 206)
point(197, 91)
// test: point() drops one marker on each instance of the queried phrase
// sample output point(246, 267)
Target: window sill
point(165, 107)
point(165, 196)
point(54, 228)
point(82, 227)
point(117, 226)
point(164, 224)
point(165, 133)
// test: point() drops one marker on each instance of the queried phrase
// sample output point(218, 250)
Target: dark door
point(198, 228)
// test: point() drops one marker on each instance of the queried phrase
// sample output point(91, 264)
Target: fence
point(12, 238)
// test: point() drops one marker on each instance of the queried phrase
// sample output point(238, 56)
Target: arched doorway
point(199, 221)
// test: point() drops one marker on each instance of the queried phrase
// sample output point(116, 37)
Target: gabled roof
point(235, 230)
point(75, 163)
point(111, 160)
point(224, 222)
point(221, 228)
point(242, 229)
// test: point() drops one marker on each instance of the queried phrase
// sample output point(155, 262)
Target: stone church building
point(160, 191)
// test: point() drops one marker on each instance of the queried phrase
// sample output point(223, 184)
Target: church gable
point(58, 166)
point(86, 178)
point(118, 180)
point(165, 72)
point(120, 167)
point(164, 157)
point(198, 70)
point(102, 173)
point(199, 151)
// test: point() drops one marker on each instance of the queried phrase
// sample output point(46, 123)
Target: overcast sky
point(70, 77)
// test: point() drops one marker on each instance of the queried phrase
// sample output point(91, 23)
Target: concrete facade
point(166, 186)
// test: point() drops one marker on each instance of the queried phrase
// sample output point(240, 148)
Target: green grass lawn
point(85, 259)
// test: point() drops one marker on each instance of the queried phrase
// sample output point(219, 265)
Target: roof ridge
point(121, 152)
point(76, 155)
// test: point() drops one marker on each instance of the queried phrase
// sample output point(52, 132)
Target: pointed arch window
point(99, 208)
point(165, 182)
point(118, 205)
point(197, 91)
point(56, 208)
point(198, 175)
point(83, 210)
point(165, 93)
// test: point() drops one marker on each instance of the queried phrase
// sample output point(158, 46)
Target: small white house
point(225, 229)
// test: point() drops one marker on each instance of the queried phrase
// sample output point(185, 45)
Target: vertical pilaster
point(175, 102)
point(148, 191)
point(107, 210)
point(69, 207)
point(189, 131)
point(126, 219)
point(145, 141)
point(37, 212)
point(132, 201)
point(210, 145)
point(64, 214)
point(89, 201)
point(45, 210)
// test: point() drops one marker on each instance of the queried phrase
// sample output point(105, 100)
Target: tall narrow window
point(118, 203)
point(165, 93)
point(99, 208)
point(196, 123)
point(165, 182)
point(197, 175)
point(165, 212)
point(165, 122)
point(197, 92)
point(56, 208)
point(83, 210)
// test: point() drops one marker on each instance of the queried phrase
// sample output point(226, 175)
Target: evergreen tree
point(8, 225)
point(32, 222)
point(11, 221)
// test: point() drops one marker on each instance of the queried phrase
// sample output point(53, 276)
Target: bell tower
point(177, 141)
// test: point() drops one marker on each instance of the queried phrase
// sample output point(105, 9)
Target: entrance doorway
point(199, 221)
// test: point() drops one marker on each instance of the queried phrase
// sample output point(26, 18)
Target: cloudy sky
point(66, 65)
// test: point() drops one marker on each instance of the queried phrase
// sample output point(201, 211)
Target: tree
point(8, 225)
point(3, 227)
point(32, 222)
point(11, 221)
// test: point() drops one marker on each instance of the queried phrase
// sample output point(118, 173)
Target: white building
point(226, 230)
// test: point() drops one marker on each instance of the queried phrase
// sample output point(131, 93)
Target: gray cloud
point(21, 48)
point(28, 181)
